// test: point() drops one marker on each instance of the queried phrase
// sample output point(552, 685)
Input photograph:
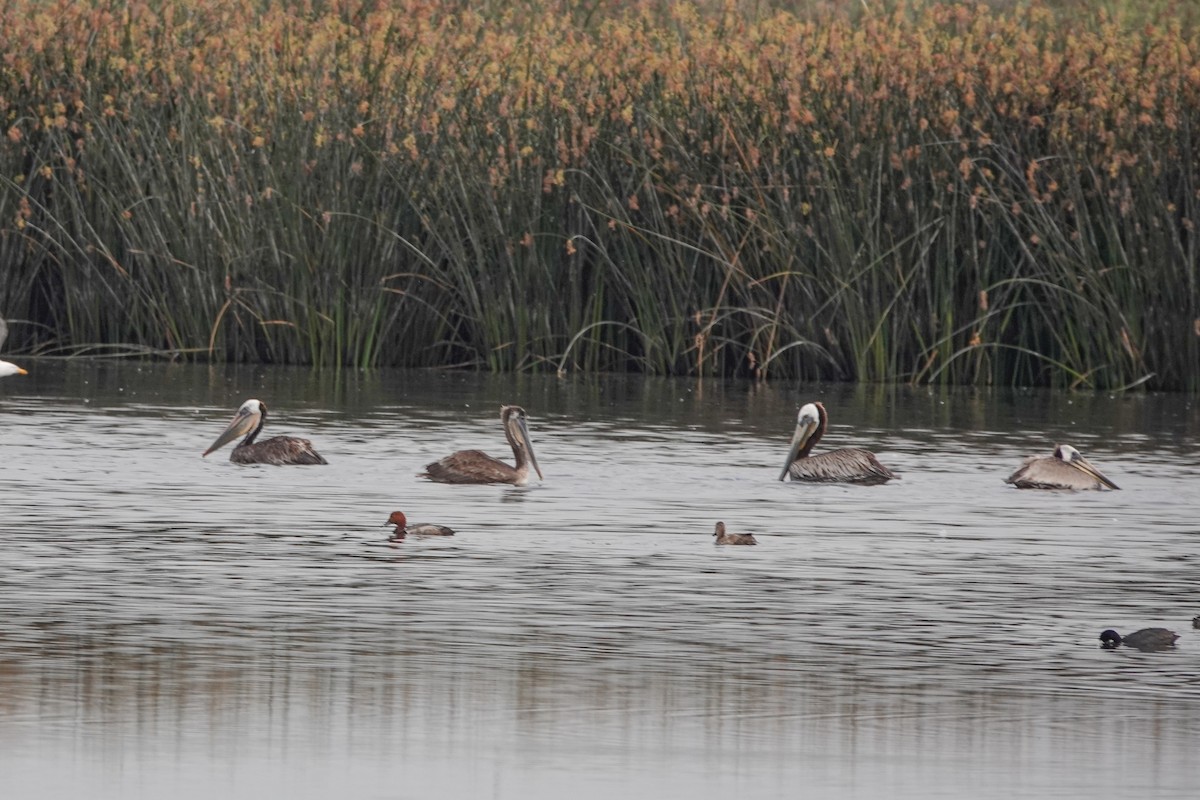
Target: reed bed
point(929, 193)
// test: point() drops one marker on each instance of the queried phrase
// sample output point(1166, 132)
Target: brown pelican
point(416, 529)
point(1145, 639)
point(721, 537)
point(249, 420)
point(1066, 469)
point(7, 369)
point(475, 466)
point(847, 465)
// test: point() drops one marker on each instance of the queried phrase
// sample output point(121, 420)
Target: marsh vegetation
point(929, 193)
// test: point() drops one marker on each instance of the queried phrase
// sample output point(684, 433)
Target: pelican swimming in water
point(7, 368)
point(1066, 469)
point(416, 529)
point(475, 466)
point(721, 537)
point(249, 420)
point(847, 465)
point(1145, 639)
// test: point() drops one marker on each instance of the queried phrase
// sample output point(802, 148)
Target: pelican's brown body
point(403, 529)
point(1066, 469)
point(475, 466)
point(278, 450)
point(721, 537)
point(847, 465)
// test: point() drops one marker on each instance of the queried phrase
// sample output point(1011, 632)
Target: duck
point(721, 537)
point(1144, 639)
point(403, 529)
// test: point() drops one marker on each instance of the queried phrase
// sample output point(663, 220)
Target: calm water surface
point(172, 626)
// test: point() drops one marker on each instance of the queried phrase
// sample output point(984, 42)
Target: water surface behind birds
point(172, 626)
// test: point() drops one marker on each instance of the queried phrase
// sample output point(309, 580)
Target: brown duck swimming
point(1145, 639)
point(721, 537)
point(416, 529)
point(249, 420)
point(847, 465)
point(1066, 469)
point(475, 466)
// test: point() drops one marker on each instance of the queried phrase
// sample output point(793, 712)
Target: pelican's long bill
point(806, 424)
point(245, 420)
point(1075, 459)
point(524, 429)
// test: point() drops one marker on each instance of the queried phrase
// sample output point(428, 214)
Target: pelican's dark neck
point(822, 422)
point(249, 440)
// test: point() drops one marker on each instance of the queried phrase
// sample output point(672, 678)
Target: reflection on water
point(184, 627)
